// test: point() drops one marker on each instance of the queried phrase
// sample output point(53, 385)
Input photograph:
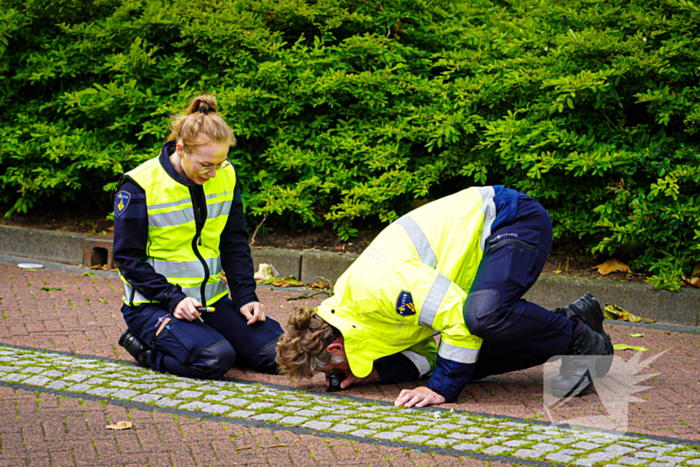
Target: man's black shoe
point(135, 347)
point(580, 367)
point(586, 309)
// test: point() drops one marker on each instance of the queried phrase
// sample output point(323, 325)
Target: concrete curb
point(551, 290)
point(60, 247)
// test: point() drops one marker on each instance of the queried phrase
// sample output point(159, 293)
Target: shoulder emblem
point(404, 304)
point(123, 198)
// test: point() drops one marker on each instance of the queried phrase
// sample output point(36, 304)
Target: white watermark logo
point(616, 389)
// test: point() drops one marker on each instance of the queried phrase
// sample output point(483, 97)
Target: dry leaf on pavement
point(611, 266)
point(629, 347)
point(319, 285)
point(637, 334)
point(120, 426)
point(290, 281)
point(616, 313)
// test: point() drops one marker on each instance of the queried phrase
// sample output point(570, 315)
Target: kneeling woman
point(178, 226)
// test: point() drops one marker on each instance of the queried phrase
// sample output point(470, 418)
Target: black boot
point(135, 347)
point(588, 310)
point(577, 373)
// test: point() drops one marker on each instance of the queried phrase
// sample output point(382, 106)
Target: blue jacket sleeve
point(235, 254)
point(450, 377)
point(130, 240)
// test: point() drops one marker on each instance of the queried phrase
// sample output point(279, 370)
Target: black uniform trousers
point(517, 334)
point(204, 349)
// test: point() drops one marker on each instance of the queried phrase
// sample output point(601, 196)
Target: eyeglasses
point(206, 168)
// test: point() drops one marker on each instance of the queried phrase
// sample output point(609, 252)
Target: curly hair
point(301, 351)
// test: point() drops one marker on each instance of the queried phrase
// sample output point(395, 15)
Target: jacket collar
point(164, 158)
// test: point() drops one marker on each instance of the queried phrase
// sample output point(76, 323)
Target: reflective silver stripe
point(488, 207)
point(137, 296)
point(222, 194)
point(171, 204)
point(216, 209)
point(420, 241)
point(433, 300)
point(167, 219)
point(211, 290)
point(185, 270)
point(421, 363)
point(458, 354)
point(187, 200)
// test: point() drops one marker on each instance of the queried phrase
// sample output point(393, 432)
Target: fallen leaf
point(50, 288)
point(694, 281)
point(558, 271)
point(120, 426)
point(110, 229)
point(319, 285)
point(290, 281)
point(637, 334)
point(629, 347)
point(610, 266)
point(616, 313)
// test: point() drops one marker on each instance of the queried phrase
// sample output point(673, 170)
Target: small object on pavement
point(334, 380)
point(30, 266)
point(120, 426)
point(206, 309)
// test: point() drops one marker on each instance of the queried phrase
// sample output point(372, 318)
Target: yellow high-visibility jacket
point(410, 283)
point(186, 255)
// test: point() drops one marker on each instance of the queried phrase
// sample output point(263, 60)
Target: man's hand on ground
point(352, 379)
point(187, 309)
point(253, 312)
point(418, 397)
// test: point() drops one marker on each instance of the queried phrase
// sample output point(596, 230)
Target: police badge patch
point(404, 304)
point(123, 198)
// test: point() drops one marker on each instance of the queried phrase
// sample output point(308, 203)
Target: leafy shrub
point(348, 110)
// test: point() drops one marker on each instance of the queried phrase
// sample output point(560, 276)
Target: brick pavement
point(83, 317)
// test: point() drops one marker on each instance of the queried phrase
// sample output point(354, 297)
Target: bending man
point(458, 266)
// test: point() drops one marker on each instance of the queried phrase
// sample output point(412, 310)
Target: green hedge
point(348, 111)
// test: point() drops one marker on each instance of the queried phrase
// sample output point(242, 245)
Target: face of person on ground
point(200, 163)
point(339, 361)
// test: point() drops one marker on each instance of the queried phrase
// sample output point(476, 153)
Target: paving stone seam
point(272, 426)
point(341, 396)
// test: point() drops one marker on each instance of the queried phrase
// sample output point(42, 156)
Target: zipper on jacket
point(197, 203)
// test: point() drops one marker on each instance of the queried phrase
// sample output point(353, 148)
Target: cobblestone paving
point(307, 413)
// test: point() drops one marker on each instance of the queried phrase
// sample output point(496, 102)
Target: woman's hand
point(419, 397)
point(253, 312)
point(187, 309)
